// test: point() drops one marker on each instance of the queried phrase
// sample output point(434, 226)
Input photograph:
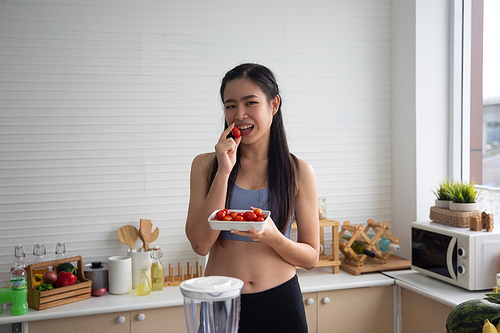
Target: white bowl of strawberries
point(238, 219)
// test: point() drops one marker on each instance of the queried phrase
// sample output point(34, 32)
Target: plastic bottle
point(156, 270)
point(496, 289)
point(359, 247)
point(39, 251)
point(19, 255)
point(19, 286)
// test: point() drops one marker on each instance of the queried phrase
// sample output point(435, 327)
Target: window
point(491, 95)
point(485, 101)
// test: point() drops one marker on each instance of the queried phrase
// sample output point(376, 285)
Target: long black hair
point(282, 165)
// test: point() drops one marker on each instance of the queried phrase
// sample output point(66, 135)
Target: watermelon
point(469, 316)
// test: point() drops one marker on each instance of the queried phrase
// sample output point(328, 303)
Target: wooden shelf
point(324, 259)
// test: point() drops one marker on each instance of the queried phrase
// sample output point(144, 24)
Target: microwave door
point(449, 257)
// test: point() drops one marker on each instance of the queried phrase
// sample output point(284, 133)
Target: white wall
point(419, 98)
point(105, 103)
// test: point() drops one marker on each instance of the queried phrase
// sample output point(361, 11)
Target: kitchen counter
point(434, 289)
point(318, 279)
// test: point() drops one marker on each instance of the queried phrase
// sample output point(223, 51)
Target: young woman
point(256, 170)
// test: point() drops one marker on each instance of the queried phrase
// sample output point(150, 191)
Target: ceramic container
point(119, 275)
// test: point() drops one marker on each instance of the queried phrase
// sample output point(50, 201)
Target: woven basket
point(453, 218)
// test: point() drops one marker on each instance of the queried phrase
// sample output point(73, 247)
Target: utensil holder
point(140, 260)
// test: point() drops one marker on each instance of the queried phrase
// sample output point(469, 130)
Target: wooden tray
point(41, 300)
point(374, 265)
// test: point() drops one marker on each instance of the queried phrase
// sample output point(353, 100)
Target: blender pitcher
point(212, 304)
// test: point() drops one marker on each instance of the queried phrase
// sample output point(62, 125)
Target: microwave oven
point(465, 258)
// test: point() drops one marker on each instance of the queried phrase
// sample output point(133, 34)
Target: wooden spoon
point(145, 232)
point(128, 234)
point(154, 235)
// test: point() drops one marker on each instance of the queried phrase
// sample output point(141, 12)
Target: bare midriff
point(256, 264)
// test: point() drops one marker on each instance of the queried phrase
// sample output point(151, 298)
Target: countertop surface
point(316, 280)
point(435, 289)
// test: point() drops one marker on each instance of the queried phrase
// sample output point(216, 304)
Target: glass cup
point(5, 295)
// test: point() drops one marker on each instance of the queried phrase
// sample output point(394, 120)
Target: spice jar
point(322, 208)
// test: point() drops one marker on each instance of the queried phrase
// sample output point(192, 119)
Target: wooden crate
point(41, 300)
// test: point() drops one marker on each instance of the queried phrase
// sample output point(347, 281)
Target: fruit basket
point(41, 300)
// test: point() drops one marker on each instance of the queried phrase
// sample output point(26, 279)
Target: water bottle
point(19, 286)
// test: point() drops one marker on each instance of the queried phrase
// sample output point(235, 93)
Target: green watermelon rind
point(469, 316)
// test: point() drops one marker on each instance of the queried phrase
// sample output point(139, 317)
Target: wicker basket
point(453, 218)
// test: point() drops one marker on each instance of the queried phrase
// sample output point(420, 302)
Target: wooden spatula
point(128, 234)
point(145, 233)
point(154, 235)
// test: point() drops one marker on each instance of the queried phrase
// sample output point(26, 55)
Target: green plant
point(444, 190)
point(464, 192)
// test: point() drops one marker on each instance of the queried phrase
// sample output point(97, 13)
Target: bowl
point(237, 225)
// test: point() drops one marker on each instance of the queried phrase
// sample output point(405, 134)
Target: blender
point(212, 304)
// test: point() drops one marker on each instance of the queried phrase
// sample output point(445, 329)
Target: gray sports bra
point(244, 199)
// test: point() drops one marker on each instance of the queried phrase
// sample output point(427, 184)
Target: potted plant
point(464, 196)
point(443, 194)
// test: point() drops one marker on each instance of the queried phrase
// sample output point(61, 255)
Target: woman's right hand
point(226, 149)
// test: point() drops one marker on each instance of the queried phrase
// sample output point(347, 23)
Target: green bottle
point(19, 286)
point(359, 247)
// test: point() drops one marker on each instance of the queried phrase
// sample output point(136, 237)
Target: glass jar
point(322, 208)
point(142, 287)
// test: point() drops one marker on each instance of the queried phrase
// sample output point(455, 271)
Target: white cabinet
point(169, 319)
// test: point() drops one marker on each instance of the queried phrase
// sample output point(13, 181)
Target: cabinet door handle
point(326, 300)
point(310, 301)
point(121, 319)
point(141, 316)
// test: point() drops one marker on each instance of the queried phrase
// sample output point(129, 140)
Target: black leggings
point(279, 309)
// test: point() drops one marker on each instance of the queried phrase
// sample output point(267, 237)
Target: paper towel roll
point(140, 260)
point(119, 275)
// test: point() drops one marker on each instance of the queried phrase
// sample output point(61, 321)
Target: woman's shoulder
point(204, 158)
point(302, 166)
point(203, 161)
point(304, 170)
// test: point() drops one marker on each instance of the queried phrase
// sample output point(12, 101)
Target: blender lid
point(212, 288)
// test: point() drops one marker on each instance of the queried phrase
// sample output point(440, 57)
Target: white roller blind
point(104, 104)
